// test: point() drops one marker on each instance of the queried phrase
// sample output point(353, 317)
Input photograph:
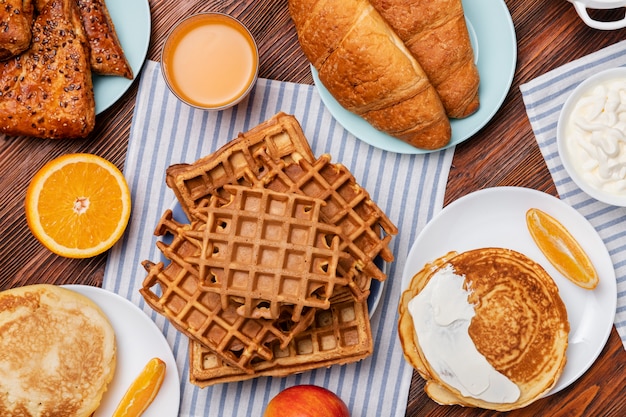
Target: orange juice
point(210, 60)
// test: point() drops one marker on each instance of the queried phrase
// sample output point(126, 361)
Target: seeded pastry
point(16, 20)
point(47, 91)
point(107, 56)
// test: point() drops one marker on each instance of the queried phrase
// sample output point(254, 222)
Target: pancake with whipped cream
point(57, 352)
point(485, 328)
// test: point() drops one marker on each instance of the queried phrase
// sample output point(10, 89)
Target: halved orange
point(561, 248)
point(143, 390)
point(78, 205)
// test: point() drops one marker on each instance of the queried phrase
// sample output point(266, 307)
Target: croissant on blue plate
point(369, 70)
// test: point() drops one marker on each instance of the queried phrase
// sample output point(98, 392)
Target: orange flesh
point(143, 390)
point(210, 60)
point(561, 249)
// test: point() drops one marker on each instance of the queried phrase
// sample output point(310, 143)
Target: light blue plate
point(376, 287)
point(133, 26)
point(495, 48)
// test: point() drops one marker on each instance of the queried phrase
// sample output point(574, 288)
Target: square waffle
point(281, 136)
point(262, 249)
point(175, 291)
point(272, 273)
point(365, 229)
point(339, 335)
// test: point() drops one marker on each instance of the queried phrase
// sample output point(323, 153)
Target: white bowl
point(564, 142)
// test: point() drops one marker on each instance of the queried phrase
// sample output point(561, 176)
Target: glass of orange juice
point(210, 61)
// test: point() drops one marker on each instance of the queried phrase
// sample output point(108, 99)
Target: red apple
point(306, 401)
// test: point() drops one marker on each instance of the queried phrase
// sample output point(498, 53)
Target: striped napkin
point(543, 97)
point(409, 188)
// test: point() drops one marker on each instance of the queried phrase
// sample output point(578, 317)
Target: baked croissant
point(436, 34)
point(369, 70)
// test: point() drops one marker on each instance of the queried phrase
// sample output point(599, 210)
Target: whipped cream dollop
point(596, 136)
point(441, 315)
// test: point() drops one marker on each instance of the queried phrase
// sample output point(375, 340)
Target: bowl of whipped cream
point(591, 136)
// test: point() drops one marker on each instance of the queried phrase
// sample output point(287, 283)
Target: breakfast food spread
point(16, 20)
point(272, 272)
point(58, 352)
point(504, 325)
point(368, 69)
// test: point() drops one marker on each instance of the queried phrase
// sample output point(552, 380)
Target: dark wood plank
point(549, 34)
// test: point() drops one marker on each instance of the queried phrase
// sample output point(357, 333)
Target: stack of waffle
point(271, 274)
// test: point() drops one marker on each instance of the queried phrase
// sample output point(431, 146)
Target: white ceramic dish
point(495, 49)
point(495, 217)
point(138, 340)
point(581, 7)
point(376, 287)
point(133, 26)
point(562, 139)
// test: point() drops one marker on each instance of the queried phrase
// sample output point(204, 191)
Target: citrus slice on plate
point(561, 248)
point(143, 390)
point(78, 205)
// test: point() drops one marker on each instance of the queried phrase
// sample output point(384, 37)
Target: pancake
point(57, 352)
point(519, 325)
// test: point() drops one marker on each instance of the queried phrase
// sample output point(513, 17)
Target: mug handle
point(582, 12)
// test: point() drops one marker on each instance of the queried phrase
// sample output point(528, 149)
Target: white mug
point(581, 7)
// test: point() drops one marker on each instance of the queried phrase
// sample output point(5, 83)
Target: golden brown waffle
point(263, 249)
point(272, 274)
point(365, 229)
point(337, 336)
point(175, 292)
point(281, 136)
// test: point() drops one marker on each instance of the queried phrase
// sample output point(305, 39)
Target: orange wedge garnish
point(562, 250)
point(78, 205)
point(143, 390)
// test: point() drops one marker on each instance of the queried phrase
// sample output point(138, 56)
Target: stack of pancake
point(519, 325)
point(271, 273)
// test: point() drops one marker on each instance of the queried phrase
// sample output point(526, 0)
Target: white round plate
point(138, 340)
point(496, 217)
point(133, 26)
point(376, 287)
point(495, 50)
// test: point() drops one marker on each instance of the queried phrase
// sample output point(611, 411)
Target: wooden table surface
point(549, 34)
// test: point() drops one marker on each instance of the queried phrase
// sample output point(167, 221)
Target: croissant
point(436, 34)
point(369, 71)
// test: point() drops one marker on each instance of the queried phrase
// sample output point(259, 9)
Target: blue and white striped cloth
point(409, 188)
point(543, 97)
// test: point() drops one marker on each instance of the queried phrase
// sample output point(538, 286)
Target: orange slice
point(78, 205)
point(143, 390)
point(562, 250)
